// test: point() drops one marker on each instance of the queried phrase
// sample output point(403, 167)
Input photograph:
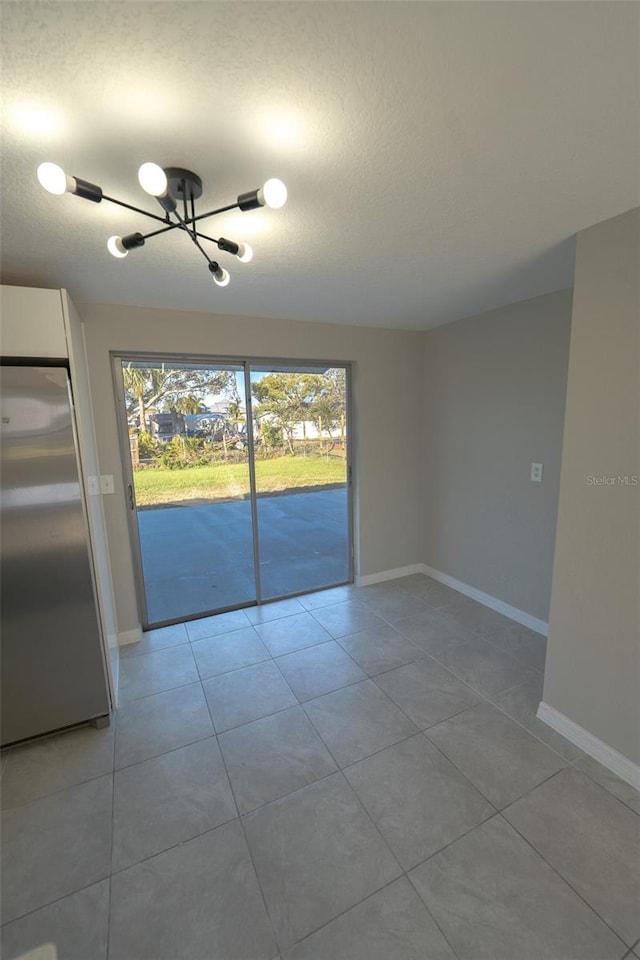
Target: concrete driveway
point(199, 557)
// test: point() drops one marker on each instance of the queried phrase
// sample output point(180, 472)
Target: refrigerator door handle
point(132, 502)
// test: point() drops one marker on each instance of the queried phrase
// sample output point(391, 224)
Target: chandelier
point(176, 190)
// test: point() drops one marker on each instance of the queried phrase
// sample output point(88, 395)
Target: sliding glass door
point(238, 481)
point(301, 466)
point(188, 486)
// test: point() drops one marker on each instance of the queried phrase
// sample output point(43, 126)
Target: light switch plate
point(93, 486)
point(536, 472)
point(106, 483)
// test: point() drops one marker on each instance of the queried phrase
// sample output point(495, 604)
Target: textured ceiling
point(439, 156)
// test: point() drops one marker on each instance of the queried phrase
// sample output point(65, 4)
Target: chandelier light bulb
point(274, 193)
point(220, 275)
point(245, 253)
point(120, 246)
point(53, 178)
point(115, 247)
point(153, 179)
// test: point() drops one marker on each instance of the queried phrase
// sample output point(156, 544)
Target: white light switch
point(536, 472)
point(93, 486)
point(106, 483)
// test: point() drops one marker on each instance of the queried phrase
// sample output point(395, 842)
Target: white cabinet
point(32, 323)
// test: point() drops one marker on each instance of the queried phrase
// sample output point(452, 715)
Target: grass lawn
point(222, 481)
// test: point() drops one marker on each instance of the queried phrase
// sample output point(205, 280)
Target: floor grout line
point(339, 769)
point(113, 797)
point(585, 773)
point(53, 793)
point(158, 693)
point(155, 756)
point(404, 872)
point(244, 835)
point(559, 874)
point(266, 716)
point(274, 800)
point(299, 701)
point(377, 828)
point(529, 731)
point(50, 903)
point(173, 846)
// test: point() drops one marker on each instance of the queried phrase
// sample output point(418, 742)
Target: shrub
point(180, 452)
point(271, 433)
point(147, 446)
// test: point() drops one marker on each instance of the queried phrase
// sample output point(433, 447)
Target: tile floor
point(356, 774)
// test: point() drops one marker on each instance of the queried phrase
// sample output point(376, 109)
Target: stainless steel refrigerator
point(53, 671)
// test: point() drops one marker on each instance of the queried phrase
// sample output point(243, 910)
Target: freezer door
point(52, 662)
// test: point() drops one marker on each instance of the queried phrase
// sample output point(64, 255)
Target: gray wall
point(593, 658)
point(494, 391)
point(388, 368)
point(446, 424)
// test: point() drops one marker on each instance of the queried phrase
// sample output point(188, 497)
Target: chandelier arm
point(185, 206)
point(212, 213)
point(129, 206)
point(193, 237)
point(174, 226)
point(155, 233)
point(204, 236)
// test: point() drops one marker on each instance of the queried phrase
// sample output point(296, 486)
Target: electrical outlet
point(536, 472)
point(106, 483)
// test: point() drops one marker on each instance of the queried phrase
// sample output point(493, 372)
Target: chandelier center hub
point(183, 183)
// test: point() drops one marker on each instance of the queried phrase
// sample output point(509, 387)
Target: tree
point(148, 389)
point(270, 433)
point(189, 404)
point(292, 398)
point(329, 406)
point(287, 398)
point(234, 412)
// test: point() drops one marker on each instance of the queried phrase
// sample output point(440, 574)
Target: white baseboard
point(126, 637)
point(596, 748)
point(369, 578)
point(520, 616)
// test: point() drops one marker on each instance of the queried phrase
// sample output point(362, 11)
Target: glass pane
point(189, 452)
point(300, 430)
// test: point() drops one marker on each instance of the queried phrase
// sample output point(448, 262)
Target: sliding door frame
point(129, 486)
point(252, 481)
point(246, 362)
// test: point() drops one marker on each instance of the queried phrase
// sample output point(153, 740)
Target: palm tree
point(146, 386)
point(189, 404)
point(137, 384)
